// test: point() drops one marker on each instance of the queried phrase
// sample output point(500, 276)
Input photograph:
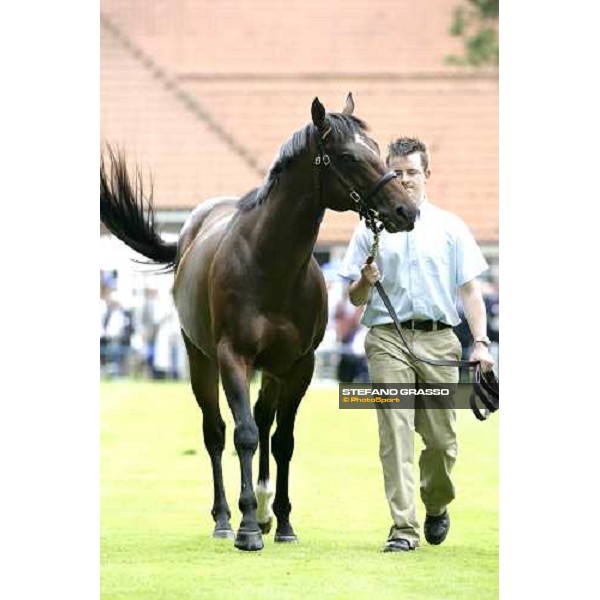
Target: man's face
point(410, 172)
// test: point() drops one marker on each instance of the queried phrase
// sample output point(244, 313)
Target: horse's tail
point(128, 215)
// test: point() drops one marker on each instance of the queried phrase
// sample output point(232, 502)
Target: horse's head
point(353, 176)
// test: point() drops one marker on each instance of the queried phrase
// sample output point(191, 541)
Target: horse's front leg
point(283, 442)
point(232, 367)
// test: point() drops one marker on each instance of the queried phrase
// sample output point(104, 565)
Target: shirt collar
point(424, 201)
point(424, 206)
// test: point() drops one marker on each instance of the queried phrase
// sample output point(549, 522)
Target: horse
point(250, 295)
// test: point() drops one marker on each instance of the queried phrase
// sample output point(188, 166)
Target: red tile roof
point(296, 36)
point(158, 132)
point(207, 113)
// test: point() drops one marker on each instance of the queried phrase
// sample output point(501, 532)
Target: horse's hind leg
point(283, 442)
point(233, 369)
point(204, 377)
point(264, 415)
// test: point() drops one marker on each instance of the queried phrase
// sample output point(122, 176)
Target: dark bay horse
point(250, 295)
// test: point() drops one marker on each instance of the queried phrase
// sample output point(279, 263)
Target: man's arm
point(474, 306)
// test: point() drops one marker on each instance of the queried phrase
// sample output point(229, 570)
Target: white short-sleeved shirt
point(421, 270)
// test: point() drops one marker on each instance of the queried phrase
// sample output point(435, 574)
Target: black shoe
point(436, 528)
point(397, 545)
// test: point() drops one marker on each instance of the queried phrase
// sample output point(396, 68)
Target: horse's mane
point(342, 126)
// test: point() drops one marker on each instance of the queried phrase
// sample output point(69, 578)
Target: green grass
point(156, 488)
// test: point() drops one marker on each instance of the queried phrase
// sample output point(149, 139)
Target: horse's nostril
point(401, 212)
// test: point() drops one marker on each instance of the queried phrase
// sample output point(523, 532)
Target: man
point(422, 271)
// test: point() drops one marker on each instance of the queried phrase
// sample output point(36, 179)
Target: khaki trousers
point(390, 363)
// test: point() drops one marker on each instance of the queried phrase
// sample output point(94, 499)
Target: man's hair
point(404, 146)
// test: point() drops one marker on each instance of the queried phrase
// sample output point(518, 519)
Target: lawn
point(156, 495)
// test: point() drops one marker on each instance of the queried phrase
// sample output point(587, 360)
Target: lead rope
point(485, 385)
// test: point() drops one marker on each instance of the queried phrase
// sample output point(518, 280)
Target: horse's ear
point(318, 113)
point(349, 108)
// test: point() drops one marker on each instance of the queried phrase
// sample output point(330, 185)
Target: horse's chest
point(282, 343)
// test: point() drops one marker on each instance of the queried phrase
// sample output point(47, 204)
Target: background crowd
point(139, 332)
point(140, 336)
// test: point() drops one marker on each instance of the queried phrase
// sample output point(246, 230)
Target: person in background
point(114, 335)
point(347, 325)
point(149, 326)
point(168, 339)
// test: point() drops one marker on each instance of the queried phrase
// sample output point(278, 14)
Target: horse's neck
point(288, 226)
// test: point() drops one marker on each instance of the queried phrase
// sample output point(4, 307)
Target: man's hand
point(370, 272)
point(482, 354)
point(360, 290)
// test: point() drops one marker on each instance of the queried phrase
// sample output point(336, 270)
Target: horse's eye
point(348, 157)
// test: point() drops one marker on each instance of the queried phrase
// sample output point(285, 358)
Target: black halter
point(363, 207)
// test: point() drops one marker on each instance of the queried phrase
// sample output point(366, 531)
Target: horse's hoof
point(223, 533)
point(249, 541)
point(286, 538)
point(266, 527)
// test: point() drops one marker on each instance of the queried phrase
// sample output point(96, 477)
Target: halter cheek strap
point(379, 184)
point(365, 211)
